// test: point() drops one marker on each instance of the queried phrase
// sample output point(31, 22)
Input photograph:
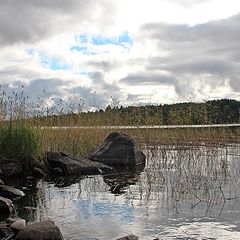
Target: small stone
point(18, 225)
point(10, 192)
point(11, 220)
point(40, 231)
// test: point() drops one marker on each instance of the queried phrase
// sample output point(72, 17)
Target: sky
point(128, 52)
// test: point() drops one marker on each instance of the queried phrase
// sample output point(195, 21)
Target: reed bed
point(80, 141)
point(181, 164)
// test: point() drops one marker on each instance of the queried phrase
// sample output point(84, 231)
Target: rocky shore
point(118, 150)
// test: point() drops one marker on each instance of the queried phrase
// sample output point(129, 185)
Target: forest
point(210, 112)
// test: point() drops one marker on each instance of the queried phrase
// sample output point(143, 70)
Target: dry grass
point(81, 141)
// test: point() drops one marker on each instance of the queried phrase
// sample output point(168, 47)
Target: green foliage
point(20, 143)
point(190, 113)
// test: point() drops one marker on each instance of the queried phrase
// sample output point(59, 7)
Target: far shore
point(144, 126)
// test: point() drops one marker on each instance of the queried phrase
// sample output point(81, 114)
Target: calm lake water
point(183, 193)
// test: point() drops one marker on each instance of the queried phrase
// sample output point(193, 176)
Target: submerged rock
point(64, 164)
point(40, 231)
point(10, 192)
point(119, 149)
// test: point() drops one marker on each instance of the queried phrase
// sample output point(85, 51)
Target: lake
point(184, 192)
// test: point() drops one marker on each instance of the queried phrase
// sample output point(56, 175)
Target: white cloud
point(176, 51)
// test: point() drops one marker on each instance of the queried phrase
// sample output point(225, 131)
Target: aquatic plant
point(20, 143)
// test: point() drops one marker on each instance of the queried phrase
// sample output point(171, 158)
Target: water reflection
point(122, 178)
point(183, 193)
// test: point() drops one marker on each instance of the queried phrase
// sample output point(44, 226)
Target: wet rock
point(18, 225)
point(2, 182)
point(129, 237)
point(74, 165)
point(11, 169)
point(40, 231)
point(38, 173)
point(11, 220)
point(6, 233)
point(119, 149)
point(5, 205)
point(10, 192)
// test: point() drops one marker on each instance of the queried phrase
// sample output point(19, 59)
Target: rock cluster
point(118, 150)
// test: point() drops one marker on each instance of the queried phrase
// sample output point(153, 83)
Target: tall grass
point(27, 131)
point(20, 143)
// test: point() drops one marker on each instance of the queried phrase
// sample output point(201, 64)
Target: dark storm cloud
point(60, 94)
point(99, 81)
point(37, 88)
point(147, 79)
point(31, 20)
point(211, 49)
point(45, 88)
point(90, 98)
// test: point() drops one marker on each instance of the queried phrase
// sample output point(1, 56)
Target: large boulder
point(10, 192)
point(40, 231)
point(62, 163)
point(119, 149)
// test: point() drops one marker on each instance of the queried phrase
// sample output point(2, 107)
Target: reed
point(27, 130)
point(20, 143)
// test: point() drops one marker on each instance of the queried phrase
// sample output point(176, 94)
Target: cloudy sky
point(121, 52)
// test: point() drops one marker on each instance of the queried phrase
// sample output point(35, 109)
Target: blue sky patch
point(52, 63)
point(48, 62)
point(30, 51)
point(83, 49)
point(85, 41)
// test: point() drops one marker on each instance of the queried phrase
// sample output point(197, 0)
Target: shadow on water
point(118, 179)
point(122, 178)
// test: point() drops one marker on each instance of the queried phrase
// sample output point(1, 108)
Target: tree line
point(209, 112)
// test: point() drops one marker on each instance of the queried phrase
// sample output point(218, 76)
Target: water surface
point(183, 193)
